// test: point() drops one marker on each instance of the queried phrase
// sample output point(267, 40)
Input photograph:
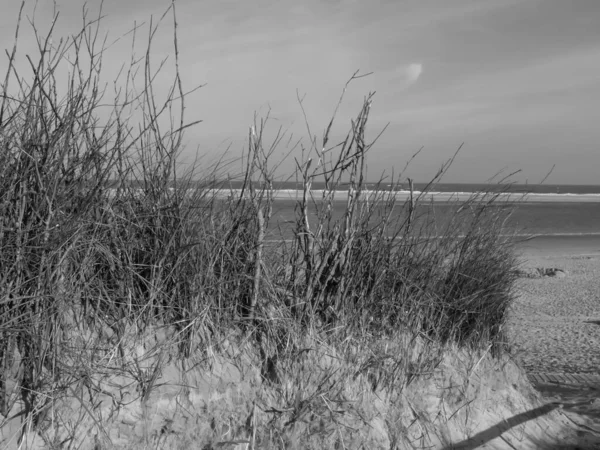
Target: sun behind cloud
point(413, 72)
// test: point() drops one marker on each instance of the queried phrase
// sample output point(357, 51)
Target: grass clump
point(114, 264)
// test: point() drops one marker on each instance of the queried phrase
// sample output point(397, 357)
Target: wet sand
point(560, 246)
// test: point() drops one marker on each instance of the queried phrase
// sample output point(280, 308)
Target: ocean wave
point(403, 195)
point(293, 194)
point(524, 237)
point(563, 234)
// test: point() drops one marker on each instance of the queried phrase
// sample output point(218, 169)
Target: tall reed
point(102, 234)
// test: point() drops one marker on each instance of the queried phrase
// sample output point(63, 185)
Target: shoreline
point(559, 246)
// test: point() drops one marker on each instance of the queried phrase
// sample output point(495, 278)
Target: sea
point(552, 219)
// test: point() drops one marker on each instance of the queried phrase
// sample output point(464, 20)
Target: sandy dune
point(467, 402)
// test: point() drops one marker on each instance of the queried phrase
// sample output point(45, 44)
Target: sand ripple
point(554, 325)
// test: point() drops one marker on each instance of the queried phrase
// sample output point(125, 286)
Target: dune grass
point(104, 239)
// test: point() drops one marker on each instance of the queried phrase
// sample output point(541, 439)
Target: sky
point(516, 81)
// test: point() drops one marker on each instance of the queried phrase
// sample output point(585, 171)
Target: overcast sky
point(518, 81)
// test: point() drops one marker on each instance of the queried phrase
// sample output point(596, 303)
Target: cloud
point(413, 72)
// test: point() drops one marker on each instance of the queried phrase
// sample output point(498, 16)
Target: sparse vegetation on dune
point(127, 288)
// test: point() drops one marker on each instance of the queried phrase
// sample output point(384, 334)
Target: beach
point(554, 323)
point(552, 320)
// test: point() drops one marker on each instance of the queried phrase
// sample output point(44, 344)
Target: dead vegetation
point(120, 272)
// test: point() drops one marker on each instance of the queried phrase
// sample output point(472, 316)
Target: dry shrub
point(103, 239)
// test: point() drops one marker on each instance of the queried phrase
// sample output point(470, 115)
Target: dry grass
point(118, 269)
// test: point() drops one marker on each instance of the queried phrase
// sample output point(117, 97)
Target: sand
point(467, 402)
point(554, 327)
point(555, 322)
